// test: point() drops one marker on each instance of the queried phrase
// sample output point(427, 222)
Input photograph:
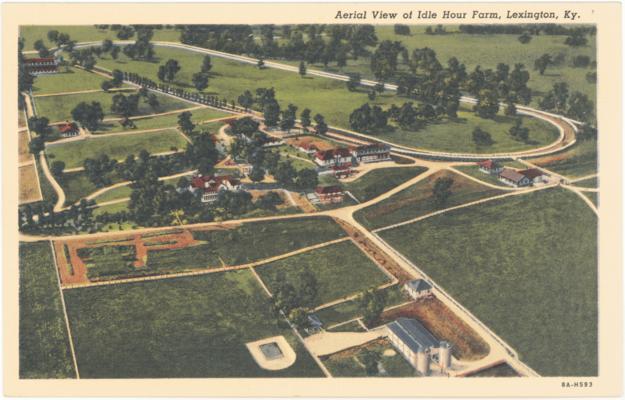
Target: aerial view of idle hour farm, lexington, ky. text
point(233, 201)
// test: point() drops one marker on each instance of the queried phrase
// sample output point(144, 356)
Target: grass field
point(341, 270)
point(526, 266)
point(28, 184)
point(43, 341)
point(116, 147)
point(114, 194)
point(197, 327)
point(594, 197)
point(59, 108)
point(111, 209)
point(417, 200)
point(347, 363)
point(592, 183)
point(455, 135)
point(77, 185)
point(474, 171)
point(580, 160)
point(82, 33)
point(23, 152)
point(47, 191)
point(71, 81)
point(379, 181)
point(163, 121)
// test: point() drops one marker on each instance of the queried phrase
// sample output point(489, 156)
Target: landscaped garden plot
point(28, 184)
point(499, 258)
point(348, 363)
point(43, 341)
point(580, 160)
point(115, 147)
point(456, 134)
point(164, 121)
point(341, 270)
point(444, 325)
point(417, 200)
point(379, 181)
point(197, 327)
point(107, 261)
point(59, 108)
point(70, 80)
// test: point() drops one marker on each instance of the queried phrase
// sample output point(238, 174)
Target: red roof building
point(330, 194)
point(212, 185)
point(533, 174)
point(68, 129)
point(490, 167)
point(333, 157)
point(36, 66)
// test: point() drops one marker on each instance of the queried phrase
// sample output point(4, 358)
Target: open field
point(501, 370)
point(83, 33)
point(526, 266)
point(379, 181)
point(594, 197)
point(111, 209)
point(444, 325)
point(347, 363)
point(77, 185)
point(474, 171)
point(117, 147)
point(22, 142)
point(417, 200)
point(72, 80)
point(59, 108)
point(29, 190)
point(589, 183)
point(43, 342)
point(580, 160)
point(340, 270)
point(114, 194)
point(180, 251)
point(163, 121)
point(455, 135)
point(198, 328)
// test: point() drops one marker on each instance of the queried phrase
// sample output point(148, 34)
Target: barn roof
point(419, 285)
point(413, 334)
point(511, 175)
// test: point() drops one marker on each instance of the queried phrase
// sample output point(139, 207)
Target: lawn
point(379, 181)
point(114, 194)
point(163, 121)
point(28, 184)
point(578, 161)
point(594, 197)
point(59, 108)
point(474, 171)
point(115, 147)
point(417, 200)
point(456, 135)
point(111, 209)
point(193, 327)
point(43, 342)
point(592, 183)
point(526, 266)
point(83, 33)
point(77, 185)
point(71, 81)
point(340, 270)
point(347, 363)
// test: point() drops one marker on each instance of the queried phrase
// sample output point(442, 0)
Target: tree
point(285, 173)
point(269, 201)
point(106, 85)
point(107, 45)
point(245, 126)
point(304, 118)
point(246, 100)
point(168, 71)
point(206, 64)
point(353, 82)
point(481, 137)
point(299, 317)
point(442, 190)
point(271, 113)
point(384, 59)
point(118, 78)
point(576, 39)
point(125, 32)
point(53, 35)
point(260, 64)
point(320, 125)
point(581, 107)
point(125, 106)
point(487, 104)
point(371, 304)
point(57, 168)
point(88, 115)
point(41, 48)
point(542, 63)
point(401, 29)
point(525, 38)
point(153, 101)
point(200, 81)
point(307, 288)
point(288, 118)
point(115, 52)
point(257, 174)
point(36, 145)
point(302, 68)
point(39, 125)
point(370, 359)
point(307, 178)
point(518, 131)
point(185, 123)
point(202, 153)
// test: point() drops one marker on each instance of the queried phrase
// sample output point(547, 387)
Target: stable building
point(490, 167)
point(417, 345)
point(372, 153)
point(330, 194)
point(39, 66)
point(513, 177)
point(333, 157)
point(418, 288)
point(68, 129)
point(211, 186)
point(534, 175)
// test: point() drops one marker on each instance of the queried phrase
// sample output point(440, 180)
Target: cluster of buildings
point(38, 66)
point(211, 185)
point(513, 177)
point(346, 157)
point(68, 129)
